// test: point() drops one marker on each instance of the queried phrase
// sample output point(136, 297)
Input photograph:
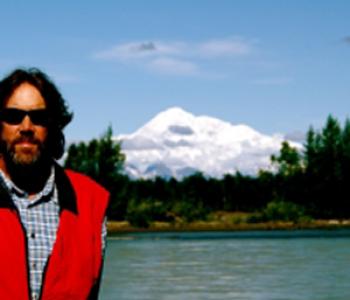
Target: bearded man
point(52, 221)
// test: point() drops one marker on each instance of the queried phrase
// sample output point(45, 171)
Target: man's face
point(24, 140)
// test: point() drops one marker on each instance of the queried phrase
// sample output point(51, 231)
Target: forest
point(311, 184)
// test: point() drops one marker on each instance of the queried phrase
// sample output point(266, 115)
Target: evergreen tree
point(331, 141)
point(100, 159)
point(312, 150)
point(345, 160)
point(323, 157)
point(288, 161)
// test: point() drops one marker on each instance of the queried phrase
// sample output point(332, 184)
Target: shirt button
point(32, 235)
point(34, 266)
point(34, 296)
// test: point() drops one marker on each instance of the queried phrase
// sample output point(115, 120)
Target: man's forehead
point(26, 96)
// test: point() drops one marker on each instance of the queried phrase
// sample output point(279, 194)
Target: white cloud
point(176, 57)
point(139, 50)
point(144, 49)
point(225, 47)
point(174, 66)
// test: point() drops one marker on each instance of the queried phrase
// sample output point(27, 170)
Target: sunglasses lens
point(15, 116)
point(39, 117)
point(12, 116)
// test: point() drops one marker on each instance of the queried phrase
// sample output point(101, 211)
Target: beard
point(24, 159)
point(28, 166)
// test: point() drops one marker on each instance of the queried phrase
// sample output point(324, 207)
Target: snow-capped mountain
point(177, 143)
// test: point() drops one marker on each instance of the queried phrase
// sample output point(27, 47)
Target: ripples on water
point(300, 265)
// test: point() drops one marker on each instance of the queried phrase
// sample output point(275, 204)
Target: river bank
point(115, 227)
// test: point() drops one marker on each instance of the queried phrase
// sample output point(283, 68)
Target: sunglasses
point(14, 116)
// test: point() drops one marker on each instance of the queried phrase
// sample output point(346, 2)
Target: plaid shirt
point(40, 217)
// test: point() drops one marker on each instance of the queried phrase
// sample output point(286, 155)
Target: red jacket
point(74, 266)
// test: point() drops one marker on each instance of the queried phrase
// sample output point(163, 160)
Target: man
point(52, 225)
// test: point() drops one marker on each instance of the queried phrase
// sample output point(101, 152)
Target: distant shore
point(115, 227)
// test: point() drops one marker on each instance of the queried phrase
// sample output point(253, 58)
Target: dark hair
point(55, 104)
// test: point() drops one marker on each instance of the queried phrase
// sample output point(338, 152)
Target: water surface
point(300, 265)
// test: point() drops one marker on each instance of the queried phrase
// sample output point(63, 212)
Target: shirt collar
point(45, 192)
point(66, 194)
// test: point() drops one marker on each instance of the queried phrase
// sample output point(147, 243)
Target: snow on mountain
point(177, 143)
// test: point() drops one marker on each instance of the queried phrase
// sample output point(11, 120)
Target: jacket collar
point(66, 195)
point(5, 198)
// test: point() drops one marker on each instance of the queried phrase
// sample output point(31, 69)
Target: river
point(262, 265)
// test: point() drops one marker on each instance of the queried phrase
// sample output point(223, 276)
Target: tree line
point(313, 183)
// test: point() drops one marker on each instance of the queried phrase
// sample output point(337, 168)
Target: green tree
point(331, 142)
point(345, 147)
point(324, 159)
point(312, 151)
point(100, 159)
point(288, 161)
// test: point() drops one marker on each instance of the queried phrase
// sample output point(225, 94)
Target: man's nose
point(26, 124)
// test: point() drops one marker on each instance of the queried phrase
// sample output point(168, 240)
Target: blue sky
point(277, 66)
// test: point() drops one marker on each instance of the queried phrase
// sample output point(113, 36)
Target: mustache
point(26, 139)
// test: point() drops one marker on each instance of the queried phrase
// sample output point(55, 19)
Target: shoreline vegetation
point(224, 221)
